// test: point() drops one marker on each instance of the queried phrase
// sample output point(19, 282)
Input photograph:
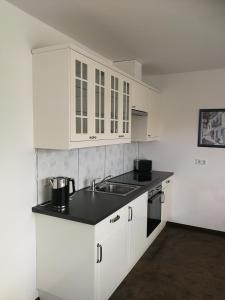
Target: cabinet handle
point(162, 197)
point(91, 137)
point(168, 181)
point(99, 251)
point(149, 135)
point(115, 219)
point(131, 214)
point(121, 136)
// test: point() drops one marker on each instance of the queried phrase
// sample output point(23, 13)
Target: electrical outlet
point(200, 162)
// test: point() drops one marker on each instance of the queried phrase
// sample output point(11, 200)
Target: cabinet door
point(111, 253)
point(115, 103)
point(153, 115)
point(80, 112)
point(167, 190)
point(137, 219)
point(125, 123)
point(101, 107)
point(139, 97)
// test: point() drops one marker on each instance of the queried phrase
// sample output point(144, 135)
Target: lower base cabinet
point(167, 190)
point(137, 229)
point(111, 247)
point(76, 261)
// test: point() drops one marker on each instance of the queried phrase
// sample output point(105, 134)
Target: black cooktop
point(138, 178)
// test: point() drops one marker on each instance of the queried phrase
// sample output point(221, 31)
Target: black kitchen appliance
point(62, 188)
point(142, 165)
point(155, 199)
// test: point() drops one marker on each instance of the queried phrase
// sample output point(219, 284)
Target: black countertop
point(91, 208)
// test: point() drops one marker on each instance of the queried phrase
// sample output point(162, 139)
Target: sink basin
point(115, 188)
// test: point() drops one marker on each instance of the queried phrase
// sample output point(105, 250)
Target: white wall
point(199, 191)
point(19, 33)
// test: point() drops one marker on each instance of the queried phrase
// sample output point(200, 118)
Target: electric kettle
point(62, 188)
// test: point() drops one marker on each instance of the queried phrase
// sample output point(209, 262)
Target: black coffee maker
point(62, 189)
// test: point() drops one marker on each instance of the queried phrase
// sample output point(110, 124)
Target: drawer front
point(166, 182)
point(112, 223)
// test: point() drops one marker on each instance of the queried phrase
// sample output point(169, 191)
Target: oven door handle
point(163, 197)
point(159, 194)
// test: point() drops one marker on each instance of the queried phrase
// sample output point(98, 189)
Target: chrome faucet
point(94, 184)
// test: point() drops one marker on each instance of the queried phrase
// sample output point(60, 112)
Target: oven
point(155, 199)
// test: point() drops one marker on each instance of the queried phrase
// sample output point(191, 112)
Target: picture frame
point(211, 128)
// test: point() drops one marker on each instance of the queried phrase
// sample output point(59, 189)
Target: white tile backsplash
point(91, 165)
point(114, 160)
point(83, 164)
point(52, 163)
point(130, 153)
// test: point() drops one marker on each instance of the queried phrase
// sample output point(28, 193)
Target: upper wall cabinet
point(120, 111)
point(146, 128)
point(140, 97)
point(78, 102)
point(153, 126)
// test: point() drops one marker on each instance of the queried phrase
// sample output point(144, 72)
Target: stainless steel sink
point(115, 188)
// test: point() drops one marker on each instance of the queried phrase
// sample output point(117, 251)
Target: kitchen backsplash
point(83, 164)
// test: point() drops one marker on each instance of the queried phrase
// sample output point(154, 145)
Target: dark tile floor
point(181, 264)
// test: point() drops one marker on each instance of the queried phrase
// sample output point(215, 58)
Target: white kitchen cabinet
point(126, 110)
point(101, 104)
point(146, 128)
point(167, 190)
point(120, 111)
point(112, 248)
point(78, 101)
point(137, 228)
point(80, 261)
point(140, 96)
point(153, 127)
point(88, 262)
point(81, 104)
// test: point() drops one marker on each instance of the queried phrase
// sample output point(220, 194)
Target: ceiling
point(167, 36)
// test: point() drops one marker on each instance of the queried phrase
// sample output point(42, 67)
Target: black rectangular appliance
point(142, 165)
point(155, 199)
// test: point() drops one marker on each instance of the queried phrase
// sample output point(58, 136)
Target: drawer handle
point(130, 218)
point(99, 253)
point(121, 136)
point(115, 219)
point(149, 135)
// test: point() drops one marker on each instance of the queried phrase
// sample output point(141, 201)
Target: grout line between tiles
point(138, 150)
point(105, 162)
point(78, 169)
point(123, 158)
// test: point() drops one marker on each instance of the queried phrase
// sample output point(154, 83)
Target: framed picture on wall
point(211, 128)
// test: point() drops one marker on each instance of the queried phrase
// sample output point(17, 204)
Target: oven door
point(154, 211)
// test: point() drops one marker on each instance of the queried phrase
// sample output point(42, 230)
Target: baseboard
point(195, 228)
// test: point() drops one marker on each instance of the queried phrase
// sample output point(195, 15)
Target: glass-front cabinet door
point(120, 109)
point(115, 99)
point(100, 109)
point(100, 101)
point(80, 97)
point(126, 115)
